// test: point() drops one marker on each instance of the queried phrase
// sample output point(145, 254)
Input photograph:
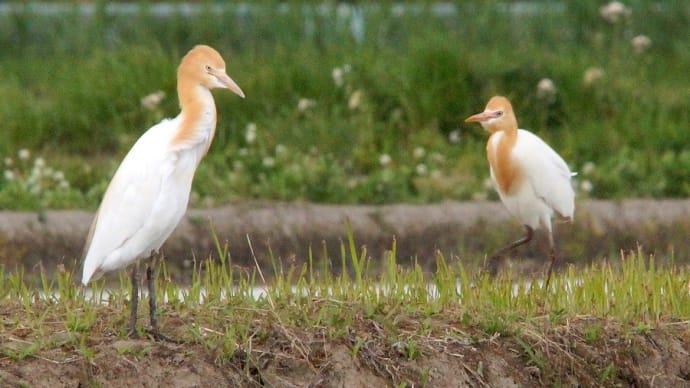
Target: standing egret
point(149, 192)
point(532, 180)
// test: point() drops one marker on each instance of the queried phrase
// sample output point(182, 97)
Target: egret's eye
point(499, 113)
point(208, 68)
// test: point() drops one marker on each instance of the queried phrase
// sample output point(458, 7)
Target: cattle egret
point(149, 192)
point(532, 180)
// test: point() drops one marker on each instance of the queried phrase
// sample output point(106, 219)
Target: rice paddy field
point(600, 325)
point(351, 105)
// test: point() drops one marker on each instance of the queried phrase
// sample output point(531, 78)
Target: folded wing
point(548, 173)
point(115, 238)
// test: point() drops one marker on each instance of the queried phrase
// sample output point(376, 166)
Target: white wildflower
point(24, 154)
point(39, 163)
point(305, 103)
point(250, 134)
point(614, 11)
point(243, 152)
point(355, 100)
point(419, 152)
point(454, 136)
point(385, 159)
point(237, 165)
point(588, 168)
point(546, 90)
point(268, 161)
point(641, 43)
point(592, 75)
point(281, 149)
point(398, 10)
point(63, 184)
point(152, 101)
point(421, 169)
point(9, 175)
point(586, 186)
point(337, 75)
point(58, 175)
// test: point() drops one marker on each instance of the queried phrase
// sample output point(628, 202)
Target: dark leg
point(134, 301)
point(491, 262)
point(150, 280)
point(552, 259)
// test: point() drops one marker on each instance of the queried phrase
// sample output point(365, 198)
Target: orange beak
point(484, 116)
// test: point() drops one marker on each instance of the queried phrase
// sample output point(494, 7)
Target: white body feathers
point(146, 198)
point(544, 186)
point(149, 192)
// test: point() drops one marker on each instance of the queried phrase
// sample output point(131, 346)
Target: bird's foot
point(491, 265)
point(133, 334)
point(156, 335)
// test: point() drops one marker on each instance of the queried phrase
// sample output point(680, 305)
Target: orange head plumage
point(205, 67)
point(497, 116)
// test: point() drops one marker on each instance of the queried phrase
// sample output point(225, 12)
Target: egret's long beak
point(484, 116)
point(228, 83)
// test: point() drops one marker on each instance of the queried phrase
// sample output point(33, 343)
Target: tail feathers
point(90, 274)
point(561, 219)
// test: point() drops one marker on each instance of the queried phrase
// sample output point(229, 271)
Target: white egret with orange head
point(149, 192)
point(531, 179)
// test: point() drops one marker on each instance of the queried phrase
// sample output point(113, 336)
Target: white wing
point(128, 203)
point(547, 172)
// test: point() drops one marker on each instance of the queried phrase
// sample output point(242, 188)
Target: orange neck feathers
point(196, 101)
point(198, 111)
point(506, 172)
point(499, 119)
point(201, 70)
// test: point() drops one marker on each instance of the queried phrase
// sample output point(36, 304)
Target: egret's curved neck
point(198, 115)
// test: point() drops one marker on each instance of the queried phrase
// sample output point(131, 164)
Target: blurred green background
point(347, 103)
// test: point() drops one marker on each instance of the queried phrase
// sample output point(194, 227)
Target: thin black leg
point(491, 262)
point(150, 280)
point(552, 258)
point(133, 303)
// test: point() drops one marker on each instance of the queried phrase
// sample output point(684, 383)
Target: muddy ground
point(551, 355)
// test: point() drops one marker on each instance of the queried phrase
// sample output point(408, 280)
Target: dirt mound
point(585, 352)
